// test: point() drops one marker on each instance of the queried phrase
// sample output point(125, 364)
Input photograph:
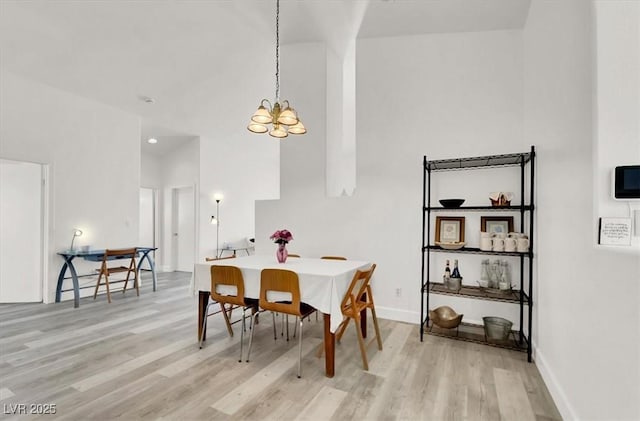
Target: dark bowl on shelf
point(451, 203)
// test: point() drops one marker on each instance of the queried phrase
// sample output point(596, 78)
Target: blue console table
point(94, 256)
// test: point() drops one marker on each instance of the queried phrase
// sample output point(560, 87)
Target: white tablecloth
point(323, 282)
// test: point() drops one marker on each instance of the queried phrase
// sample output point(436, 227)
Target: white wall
point(240, 165)
point(179, 168)
point(617, 48)
point(244, 168)
point(441, 95)
point(94, 157)
point(588, 360)
point(151, 171)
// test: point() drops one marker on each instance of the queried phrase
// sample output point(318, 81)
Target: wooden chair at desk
point(106, 271)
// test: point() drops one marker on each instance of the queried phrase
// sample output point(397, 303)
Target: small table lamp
point(76, 233)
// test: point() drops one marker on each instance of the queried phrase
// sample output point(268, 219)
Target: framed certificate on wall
point(615, 232)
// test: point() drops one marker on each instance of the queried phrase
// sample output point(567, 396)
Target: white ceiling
point(185, 53)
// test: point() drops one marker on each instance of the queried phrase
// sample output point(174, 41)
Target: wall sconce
point(215, 220)
point(76, 233)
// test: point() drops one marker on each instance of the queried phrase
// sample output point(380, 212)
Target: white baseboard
point(398, 315)
point(556, 391)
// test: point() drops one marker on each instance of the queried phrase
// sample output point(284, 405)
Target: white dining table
point(323, 283)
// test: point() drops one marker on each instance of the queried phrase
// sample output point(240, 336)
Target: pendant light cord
point(277, 51)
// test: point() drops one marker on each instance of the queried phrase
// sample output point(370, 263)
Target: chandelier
point(280, 115)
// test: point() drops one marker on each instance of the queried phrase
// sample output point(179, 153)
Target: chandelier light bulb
point(297, 128)
point(262, 116)
point(278, 131)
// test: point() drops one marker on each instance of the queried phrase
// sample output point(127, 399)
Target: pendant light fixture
point(280, 115)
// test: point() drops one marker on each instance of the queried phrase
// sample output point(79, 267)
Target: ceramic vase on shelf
point(282, 253)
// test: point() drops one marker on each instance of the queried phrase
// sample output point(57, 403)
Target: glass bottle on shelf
point(506, 274)
point(456, 272)
point(494, 274)
point(447, 272)
point(484, 273)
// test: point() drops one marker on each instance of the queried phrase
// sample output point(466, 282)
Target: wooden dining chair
point(223, 308)
point(229, 278)
point(106, 270)
point(357, 299)
point(282, 281)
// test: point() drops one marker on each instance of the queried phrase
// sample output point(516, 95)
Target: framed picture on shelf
point(449, 229)
point(496, 224)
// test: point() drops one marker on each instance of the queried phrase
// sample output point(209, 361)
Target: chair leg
point(242, 332)
point(363, 350)
point(204, 324)
point(375, 325)
point(226, 319)
point(275, 334)
point(136, 283)
point(342, 327)
point(286, 316)
point(95, 293)
point(251, 337)
point(300, 350)
point(126, 282)
point(106, 282)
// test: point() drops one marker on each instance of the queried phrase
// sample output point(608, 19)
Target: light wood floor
point(138, 358)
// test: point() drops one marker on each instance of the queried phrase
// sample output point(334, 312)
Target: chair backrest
point(111, 254)
point(211, 259)
point(227, 276)
point(359, 285)
point(280, 280)
point(333, 258)
point(120, 253)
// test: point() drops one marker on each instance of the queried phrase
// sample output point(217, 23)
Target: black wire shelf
point(470, 332)
point(478, 162)
point(515, 208)
point(488, 294)
point(473, 250)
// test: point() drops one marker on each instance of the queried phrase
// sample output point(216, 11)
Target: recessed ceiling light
point(146, 99)
point(152, 140)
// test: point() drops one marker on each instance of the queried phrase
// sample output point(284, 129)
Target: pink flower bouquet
point(281, 237)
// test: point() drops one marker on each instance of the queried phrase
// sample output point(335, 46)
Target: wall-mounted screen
point(626, 182)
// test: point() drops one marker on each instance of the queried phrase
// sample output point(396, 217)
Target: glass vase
point(282, 253)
